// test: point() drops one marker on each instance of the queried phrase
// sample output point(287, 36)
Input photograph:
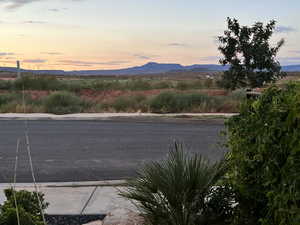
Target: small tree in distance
point(248, 52)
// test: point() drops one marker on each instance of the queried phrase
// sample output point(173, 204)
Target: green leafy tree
point(251, 57)
point(264, 158)
point(28, 208)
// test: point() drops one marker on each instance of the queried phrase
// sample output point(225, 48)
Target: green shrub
point(219, 207)
point(130, 103)
point(162, 85)
point(189, 85)
point(208, 83)
point(6, 98)
point(28, 207)
point(264, 142)
point(174, 191)
point(13, 103)
point(6, 84)
point(182, 86)
point(239, 94)
point(73, 85)
point(64, 103)
point(38, 83)
point(121, 104)
point(106, 85)
point(138, 85)
point(170, 102)
point(10, 101)
point(164, 102)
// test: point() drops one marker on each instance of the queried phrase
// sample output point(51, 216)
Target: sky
point(110, 34)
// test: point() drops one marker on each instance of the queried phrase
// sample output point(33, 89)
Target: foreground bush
point(64, 103)
point(265, 158)
point(28, 208)
point(178, 191)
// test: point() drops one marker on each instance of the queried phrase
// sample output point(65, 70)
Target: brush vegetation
point(52, 83)
point(46, 94)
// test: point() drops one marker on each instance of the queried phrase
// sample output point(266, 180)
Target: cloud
point(289, 60)
point(51, 53)
point(295, 51)
point(54, 10)
point(80, 63)
point(8, 61)
point(34, 61)
point(176, 44)
point(6, 53)
point(284, 29)
point(143, 56)
point(14, 4)
point(34, 22)
point(57, 9)
point(210, 58)
point(8, 58)
point(61, 64)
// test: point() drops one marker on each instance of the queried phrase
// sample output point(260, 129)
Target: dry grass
point(124, 94)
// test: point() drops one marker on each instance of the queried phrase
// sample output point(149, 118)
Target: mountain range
point(149, 68)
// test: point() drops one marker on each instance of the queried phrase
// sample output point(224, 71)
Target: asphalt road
point(100, 150)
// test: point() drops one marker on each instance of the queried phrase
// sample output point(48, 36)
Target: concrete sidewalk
point(71, 198)
point(101, 116)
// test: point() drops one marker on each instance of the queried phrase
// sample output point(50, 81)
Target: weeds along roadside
point(52, 95)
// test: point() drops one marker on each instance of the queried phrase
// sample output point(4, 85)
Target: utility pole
point(18, 70)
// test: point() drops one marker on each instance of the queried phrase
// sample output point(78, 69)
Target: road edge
point(104, 116)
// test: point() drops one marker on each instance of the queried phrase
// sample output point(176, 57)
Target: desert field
point(173, 92)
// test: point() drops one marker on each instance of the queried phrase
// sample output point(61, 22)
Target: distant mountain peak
point(148, 68)
point(151, 63)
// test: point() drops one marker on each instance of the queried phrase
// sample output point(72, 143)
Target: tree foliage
point(251, 57)
point(264, 159)
point(28, 208)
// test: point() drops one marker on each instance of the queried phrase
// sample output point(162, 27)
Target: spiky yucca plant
point(173, 191)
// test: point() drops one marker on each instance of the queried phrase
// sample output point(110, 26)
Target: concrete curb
point(108, 183)
point(103, 116)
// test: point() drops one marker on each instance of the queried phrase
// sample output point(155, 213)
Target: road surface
point(100, 150)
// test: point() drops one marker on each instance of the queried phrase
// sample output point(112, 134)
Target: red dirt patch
point(214, 92)
point(107, 96)
point(35, 95)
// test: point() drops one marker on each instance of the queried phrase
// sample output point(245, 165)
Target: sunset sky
point(98, 34)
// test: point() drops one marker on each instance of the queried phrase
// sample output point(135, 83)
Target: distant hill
point(149, 68)
point(291, 68)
